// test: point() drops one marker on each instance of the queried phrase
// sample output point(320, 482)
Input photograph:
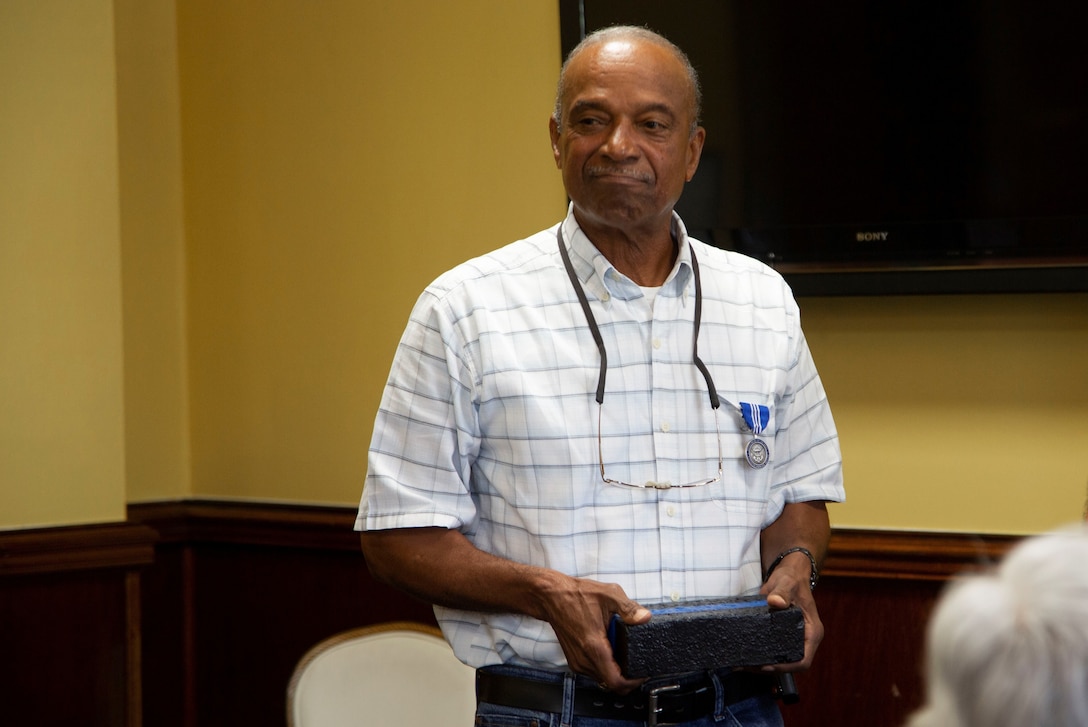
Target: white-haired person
point(1010, 646)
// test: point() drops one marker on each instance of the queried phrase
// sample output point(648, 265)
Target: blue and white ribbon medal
point(757, 417)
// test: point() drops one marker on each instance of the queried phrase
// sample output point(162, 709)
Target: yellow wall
point(338, 156)
point(964, 413)
point(152, 251)
point(205, 266)
point(61, 392)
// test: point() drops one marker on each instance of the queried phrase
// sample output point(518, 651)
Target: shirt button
point(670, 511)
point(665, 427)
point(605, 298)
point(675, 596)
point(657, 343)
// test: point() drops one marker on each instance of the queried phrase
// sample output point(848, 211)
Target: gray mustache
point(620, 172)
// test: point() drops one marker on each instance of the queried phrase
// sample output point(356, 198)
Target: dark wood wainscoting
point(239, 592)
point(875, 597)
point(70, 625)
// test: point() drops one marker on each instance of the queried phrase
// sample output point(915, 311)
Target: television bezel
point(899, 276)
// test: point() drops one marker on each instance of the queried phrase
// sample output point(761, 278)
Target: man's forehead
point(617, 48)
point(659, 79)
point(628, 53)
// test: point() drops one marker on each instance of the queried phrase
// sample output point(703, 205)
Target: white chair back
point(399, 673)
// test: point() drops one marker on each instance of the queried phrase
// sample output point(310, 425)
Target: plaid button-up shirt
point(489, 424)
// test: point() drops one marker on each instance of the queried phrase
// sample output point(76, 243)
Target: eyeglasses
point(715, 402)
point(652, 484)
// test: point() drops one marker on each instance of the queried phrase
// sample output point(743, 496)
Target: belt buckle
point(652, 708)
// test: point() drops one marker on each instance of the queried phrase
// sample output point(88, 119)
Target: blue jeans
point(760, 711)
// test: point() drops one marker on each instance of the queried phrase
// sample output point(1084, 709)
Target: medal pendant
point(757, 453)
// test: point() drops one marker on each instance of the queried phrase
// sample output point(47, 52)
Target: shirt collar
point(599, 276)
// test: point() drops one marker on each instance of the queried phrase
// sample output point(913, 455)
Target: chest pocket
point(748, 456)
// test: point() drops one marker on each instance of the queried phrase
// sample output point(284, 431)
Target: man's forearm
point(442, 567)
point(801, 525)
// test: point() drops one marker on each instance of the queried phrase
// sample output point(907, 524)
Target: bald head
point(632, 33)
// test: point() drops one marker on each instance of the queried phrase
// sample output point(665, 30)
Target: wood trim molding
point(75, 548)
point(852, 553)
point(911, 555)
point(247, 523)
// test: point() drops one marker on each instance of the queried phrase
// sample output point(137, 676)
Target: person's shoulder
point(734, 266)
point(521, 257)
point(719, 257)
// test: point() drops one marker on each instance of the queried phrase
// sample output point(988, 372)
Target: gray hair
point(631, 32)
point(1011, 647)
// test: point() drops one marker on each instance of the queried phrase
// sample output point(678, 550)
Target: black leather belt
point(659, 702)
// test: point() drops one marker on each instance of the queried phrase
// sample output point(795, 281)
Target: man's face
point(625, 147)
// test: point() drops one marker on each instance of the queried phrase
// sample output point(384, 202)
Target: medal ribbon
point(756, 416)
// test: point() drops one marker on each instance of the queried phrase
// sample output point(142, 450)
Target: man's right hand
point(579, 611)
point(441, 566)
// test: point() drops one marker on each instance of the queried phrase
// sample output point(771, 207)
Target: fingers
point(632, 613)
point(591, 656)
point(613, 680)
point(580, 620)
point(782, 591)
point(777, 601)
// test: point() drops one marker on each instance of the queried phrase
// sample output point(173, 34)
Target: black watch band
point(813, 577)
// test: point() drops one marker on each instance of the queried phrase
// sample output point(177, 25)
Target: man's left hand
point(789, 585)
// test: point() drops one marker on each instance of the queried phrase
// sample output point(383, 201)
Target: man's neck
point(646, 257)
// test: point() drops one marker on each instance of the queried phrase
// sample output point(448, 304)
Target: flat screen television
point(882, 147)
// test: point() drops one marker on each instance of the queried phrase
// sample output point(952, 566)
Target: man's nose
point(620, 144)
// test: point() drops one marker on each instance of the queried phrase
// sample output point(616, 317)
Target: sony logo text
point(872, 236)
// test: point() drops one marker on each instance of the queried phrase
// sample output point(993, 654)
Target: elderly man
point(604, 415)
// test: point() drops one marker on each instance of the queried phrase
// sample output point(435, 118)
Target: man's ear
point(553, 131)
point(695, 151)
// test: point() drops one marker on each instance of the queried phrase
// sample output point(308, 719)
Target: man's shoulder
point(730, 267)
point(721, 258)
point(527, 256)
